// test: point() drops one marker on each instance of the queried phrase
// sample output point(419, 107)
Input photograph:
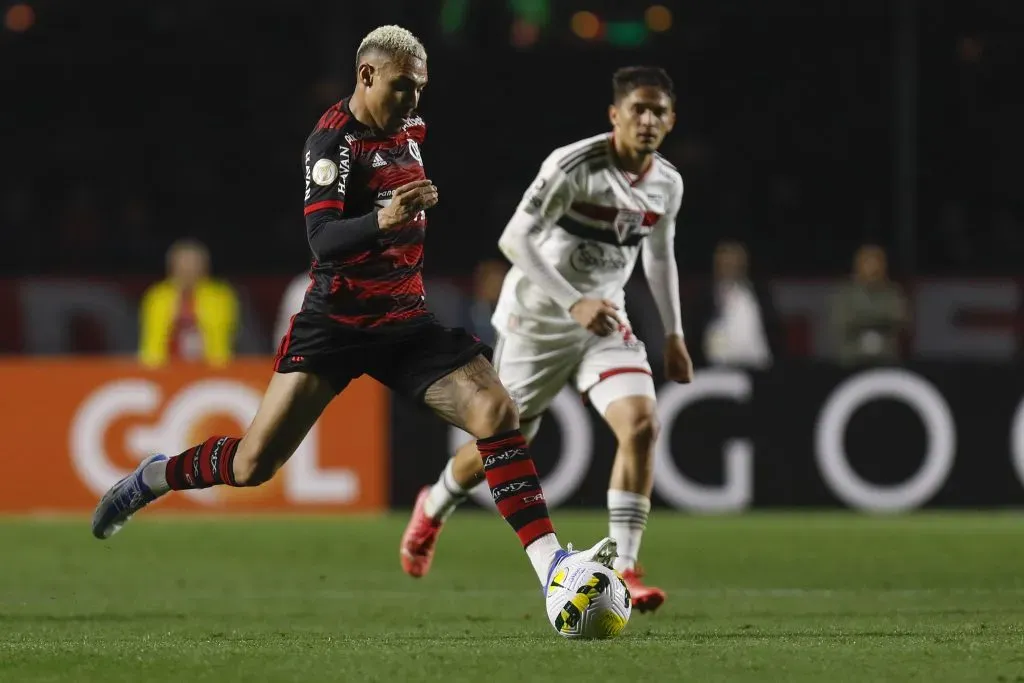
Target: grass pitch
point(796, 597)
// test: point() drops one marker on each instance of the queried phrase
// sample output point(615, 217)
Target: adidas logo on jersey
point(378, 160)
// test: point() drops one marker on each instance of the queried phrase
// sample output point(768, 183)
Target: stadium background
point(805, 130)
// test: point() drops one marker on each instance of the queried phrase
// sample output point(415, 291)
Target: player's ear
point(671, 120)
point(613, 114)
point(366, 73)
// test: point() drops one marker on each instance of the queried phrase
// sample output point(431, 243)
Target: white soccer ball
point(588, 600)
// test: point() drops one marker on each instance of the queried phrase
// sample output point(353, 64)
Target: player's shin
point(627, 403)
point(627, 519)
point(516, 490)
point(451, 489)
point(207, 464)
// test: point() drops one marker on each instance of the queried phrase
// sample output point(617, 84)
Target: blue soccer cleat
point(122, 500)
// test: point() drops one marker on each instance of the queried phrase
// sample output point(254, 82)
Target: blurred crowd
point(731, 320)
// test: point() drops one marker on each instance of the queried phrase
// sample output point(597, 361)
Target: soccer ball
point(588, 600)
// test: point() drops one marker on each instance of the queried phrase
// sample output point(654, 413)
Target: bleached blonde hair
point(392, 40)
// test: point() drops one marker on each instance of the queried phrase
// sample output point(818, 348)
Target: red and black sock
point(515, 485)
point(205, 465)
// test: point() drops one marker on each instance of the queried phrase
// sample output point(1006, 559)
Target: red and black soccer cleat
point(419, 539)
point(645, 598)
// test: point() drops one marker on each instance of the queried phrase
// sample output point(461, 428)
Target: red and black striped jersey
point(361, 276)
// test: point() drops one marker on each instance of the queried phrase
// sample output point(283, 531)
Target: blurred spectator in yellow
point(189, 315)
point(733, 321)
point(870, 312)
point(488, 276)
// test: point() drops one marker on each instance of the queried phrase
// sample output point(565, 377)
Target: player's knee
point(493, 412)
point(253, 473)
point(254, 464)
point(641, 432)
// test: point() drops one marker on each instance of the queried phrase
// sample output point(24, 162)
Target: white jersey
point(590, 219)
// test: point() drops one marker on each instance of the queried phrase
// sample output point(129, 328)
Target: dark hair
point(629, 78)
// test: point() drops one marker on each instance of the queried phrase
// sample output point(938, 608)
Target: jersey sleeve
point(327, 161)
point(659, 262)
point(550, 194)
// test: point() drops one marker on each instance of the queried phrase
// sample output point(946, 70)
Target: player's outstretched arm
point(659, 259)
point(596, 315)
point(517, 246)
point(545, 202)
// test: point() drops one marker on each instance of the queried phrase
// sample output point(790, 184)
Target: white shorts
point(605, 368)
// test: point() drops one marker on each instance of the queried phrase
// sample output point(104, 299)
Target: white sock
point(445, 495)
point(627, 519)
point(541, 552)
point(154, 475)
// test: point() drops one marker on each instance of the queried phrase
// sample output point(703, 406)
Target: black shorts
point(407, 358)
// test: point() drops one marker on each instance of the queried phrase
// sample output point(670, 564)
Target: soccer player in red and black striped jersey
point(365, 203)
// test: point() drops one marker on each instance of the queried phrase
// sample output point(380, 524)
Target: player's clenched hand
point(406, 202)
point(597, 315)
point(678, 366)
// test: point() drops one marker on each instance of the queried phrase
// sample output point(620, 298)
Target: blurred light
point(19, 18)
point(586, 25)
point(524, 34)
point(971, 49)
point(537, 12)
point(453, 15)
point(658, 18)
point(627, 33)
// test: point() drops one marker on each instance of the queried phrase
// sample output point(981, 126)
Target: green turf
point(808, 597)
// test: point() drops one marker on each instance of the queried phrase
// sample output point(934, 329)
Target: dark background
point(126, 125)
point(885, 439)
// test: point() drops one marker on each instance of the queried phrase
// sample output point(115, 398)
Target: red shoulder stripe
point(326, 204)
point(332, 120)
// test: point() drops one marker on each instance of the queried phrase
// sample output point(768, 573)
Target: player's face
point(643, 118)
point(395, 91)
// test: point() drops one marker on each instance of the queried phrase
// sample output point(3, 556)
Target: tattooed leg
point(474, 399)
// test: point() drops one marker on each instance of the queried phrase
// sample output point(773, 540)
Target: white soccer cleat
point(603, 552)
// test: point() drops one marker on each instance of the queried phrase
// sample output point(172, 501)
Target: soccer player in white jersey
point(573, 242)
